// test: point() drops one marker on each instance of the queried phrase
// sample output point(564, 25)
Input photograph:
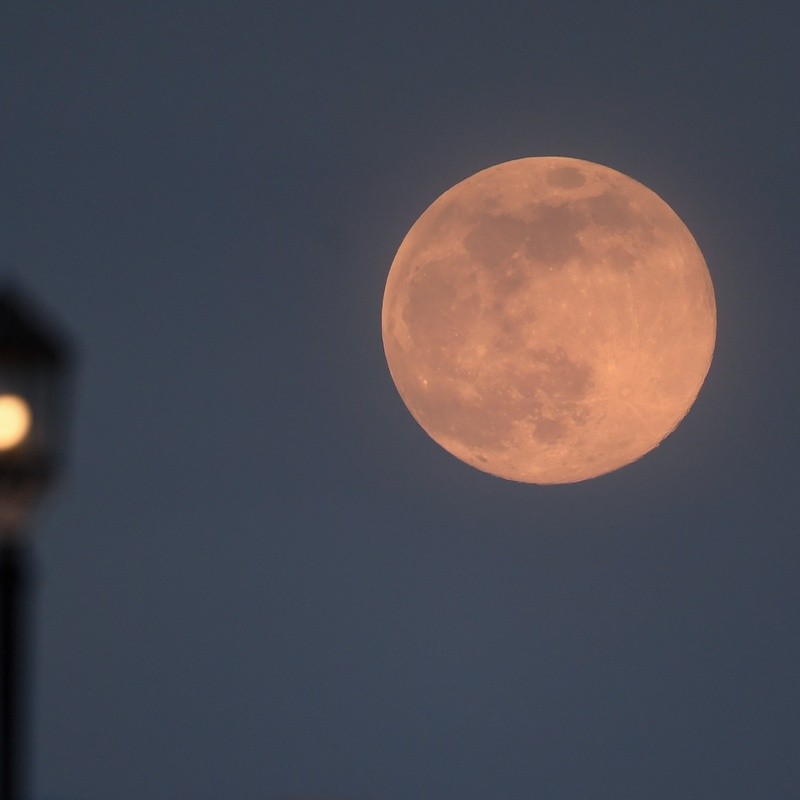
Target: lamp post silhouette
point(33, 367)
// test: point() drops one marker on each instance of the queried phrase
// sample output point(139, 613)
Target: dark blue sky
point(260, 579)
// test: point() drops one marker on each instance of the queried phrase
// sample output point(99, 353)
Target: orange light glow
point(15, 421)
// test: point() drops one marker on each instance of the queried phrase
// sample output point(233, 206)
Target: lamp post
point(33, 362)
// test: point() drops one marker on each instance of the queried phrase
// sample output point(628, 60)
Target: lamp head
point(33, 370)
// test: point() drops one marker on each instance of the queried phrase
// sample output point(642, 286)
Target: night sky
point(259, 577)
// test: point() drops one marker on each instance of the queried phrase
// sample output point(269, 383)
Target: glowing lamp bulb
point(15, 421)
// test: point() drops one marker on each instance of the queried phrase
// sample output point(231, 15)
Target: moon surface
point(549, 320)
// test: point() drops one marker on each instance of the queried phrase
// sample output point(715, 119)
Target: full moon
point(549, 320)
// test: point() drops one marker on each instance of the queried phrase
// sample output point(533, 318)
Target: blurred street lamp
point(33, 373)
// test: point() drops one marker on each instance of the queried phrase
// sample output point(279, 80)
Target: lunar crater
point(566, 178)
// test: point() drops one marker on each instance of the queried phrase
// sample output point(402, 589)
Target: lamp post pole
point(14, 575)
